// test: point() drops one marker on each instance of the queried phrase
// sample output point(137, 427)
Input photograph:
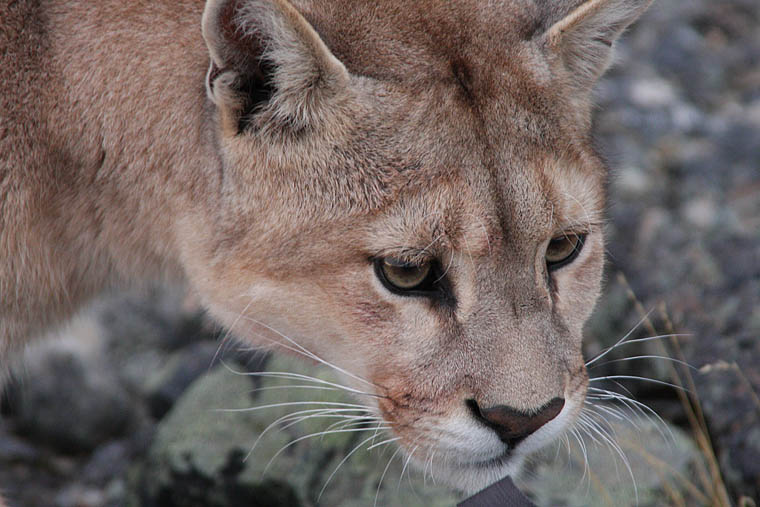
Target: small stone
point(80, 496)
point(701, 212)
point(108, 460)
point(632, 181)
point(652, 92)
point(75, 402)
point(14, 449)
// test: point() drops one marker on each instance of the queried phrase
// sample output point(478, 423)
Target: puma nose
point(513, 426)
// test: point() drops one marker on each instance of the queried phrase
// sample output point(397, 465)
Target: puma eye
point(404, 277)
point(563, 250)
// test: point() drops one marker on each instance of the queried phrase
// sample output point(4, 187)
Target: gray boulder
point(203, 452)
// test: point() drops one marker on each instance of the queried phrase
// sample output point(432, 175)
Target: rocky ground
point(129, 407)
point(680, 120)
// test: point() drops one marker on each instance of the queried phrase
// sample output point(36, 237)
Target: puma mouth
point(471, 477)
point(470, 456)
point(498, 461)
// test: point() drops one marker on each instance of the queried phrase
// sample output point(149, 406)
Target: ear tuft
point(268, 65)
point(583, 38)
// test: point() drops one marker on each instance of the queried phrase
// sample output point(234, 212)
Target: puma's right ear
point(268, 65)
point(582, 34)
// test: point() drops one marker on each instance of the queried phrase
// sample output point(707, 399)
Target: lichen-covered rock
point(653, 462)
point(203, 452)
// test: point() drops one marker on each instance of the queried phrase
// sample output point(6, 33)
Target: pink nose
point(513, 426)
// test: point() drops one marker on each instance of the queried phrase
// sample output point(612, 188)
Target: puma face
point(410, 194)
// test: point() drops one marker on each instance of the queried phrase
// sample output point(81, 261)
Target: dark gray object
point(500, 494)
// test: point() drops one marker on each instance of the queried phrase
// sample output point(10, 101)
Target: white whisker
point(582, 445)
point(632, 358)
point(294, 403)
point(371, 437)
point(583, 207)
point(297, 417)
point(658, 337)
point(636, 407)
point(616, 447)
point(432, 460)
point(385, 471)
point(311, 435)
point(378, 444)
point(643, 379)
point(599, 409)
point(360, 422)
point(308, 353)
point(406, 464)
point(298, 376)
point(292, 386)
point(228, 333)
point(619, 342)
point(427, 463)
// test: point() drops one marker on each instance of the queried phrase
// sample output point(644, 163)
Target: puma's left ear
point(583, 37)
point(269, 67)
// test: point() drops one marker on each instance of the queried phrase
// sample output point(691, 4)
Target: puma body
point(299, 164)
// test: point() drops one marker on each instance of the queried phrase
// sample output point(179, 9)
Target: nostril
point(512, 425)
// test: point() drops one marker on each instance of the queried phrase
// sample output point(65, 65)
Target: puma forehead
point(405, 189)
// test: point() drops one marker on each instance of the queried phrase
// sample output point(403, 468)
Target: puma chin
point(407, 190)
point(470, 457)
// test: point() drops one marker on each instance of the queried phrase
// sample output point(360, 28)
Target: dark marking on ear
point(257, 88)
point(255, 72)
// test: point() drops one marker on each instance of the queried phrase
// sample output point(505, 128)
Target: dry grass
point(710, 487)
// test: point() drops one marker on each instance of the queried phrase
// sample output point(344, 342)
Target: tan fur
point(448, 130)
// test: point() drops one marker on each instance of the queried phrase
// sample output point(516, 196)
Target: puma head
point(409, 192)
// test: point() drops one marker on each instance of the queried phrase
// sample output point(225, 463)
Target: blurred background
point(127, 407)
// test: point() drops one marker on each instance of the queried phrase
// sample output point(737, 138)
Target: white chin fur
point(470, 478)
point(471, 474)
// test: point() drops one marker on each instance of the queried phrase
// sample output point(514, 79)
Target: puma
point(405, 189)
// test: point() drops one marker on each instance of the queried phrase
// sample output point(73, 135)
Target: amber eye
point(400, 276)
point(563, 250)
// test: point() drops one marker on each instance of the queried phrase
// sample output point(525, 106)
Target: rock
point(108, 461)
point(656, 460)
point(684, 229)
point(132, 324)
point(70, 397)
point(13, 449)
point(79, 496)
point(200, 452)
point(169, 380)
